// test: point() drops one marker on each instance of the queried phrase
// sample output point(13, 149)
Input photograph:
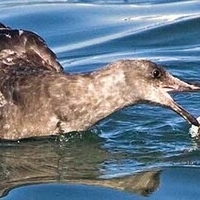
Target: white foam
point(194, 131)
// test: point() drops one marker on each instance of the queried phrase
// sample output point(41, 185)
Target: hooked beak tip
point(194, 122)
point(190, 87)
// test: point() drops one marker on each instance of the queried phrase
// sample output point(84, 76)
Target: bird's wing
point(20, 48)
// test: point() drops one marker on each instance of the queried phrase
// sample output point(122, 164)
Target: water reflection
point(75, 161)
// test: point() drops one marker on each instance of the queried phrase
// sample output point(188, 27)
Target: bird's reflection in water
point(77, 159)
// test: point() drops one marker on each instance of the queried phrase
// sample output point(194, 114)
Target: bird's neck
point(101, 93)
point(110, 90)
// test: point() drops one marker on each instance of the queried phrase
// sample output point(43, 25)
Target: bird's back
point(21, 48)
point(23, 54)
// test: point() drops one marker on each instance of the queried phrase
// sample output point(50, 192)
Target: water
point(146, 149)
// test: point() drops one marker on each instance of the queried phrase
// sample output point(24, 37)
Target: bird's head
point(152, 83)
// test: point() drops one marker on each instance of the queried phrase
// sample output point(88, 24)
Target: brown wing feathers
point(21, 48)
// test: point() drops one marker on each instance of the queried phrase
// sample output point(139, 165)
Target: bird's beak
point(172, 84)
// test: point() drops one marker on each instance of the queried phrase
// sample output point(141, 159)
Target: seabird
point(37, 98)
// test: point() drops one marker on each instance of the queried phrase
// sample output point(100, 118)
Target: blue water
point(86, 35)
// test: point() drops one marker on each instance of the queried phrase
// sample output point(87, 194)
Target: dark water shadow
point(77, 159)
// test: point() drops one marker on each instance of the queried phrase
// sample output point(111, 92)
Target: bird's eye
point(156, 73)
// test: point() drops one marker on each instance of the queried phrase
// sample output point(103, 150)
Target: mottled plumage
point(20, 48)
point(37, 98)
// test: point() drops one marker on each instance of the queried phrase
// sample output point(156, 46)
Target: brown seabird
point(37, 98)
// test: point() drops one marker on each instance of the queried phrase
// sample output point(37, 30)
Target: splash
point(194, 131)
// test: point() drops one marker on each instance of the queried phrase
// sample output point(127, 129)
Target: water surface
point(86, 35)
